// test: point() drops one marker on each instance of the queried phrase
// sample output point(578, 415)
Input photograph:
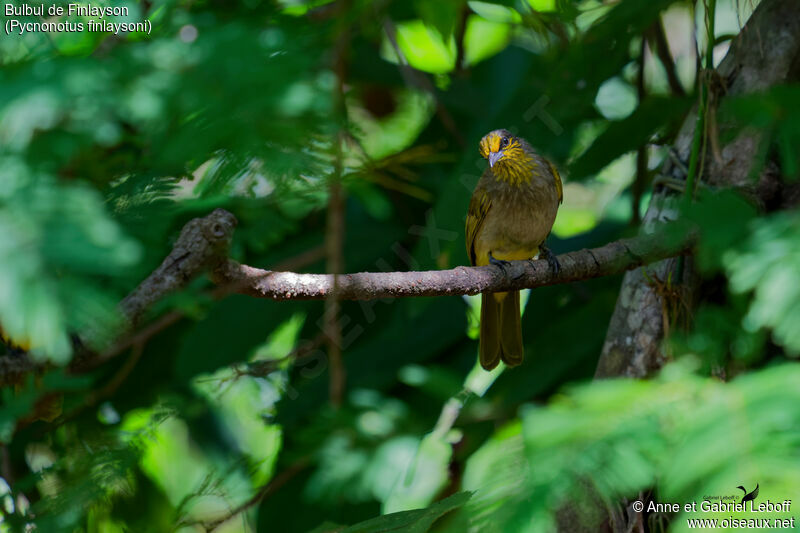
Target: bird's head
point(508, 155)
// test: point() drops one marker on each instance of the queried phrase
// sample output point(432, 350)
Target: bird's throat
point(513, 173)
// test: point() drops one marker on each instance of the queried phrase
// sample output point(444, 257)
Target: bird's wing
point(754, 494)
point(478, 207)
point(557, 177)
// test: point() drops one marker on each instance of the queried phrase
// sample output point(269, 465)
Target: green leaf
point(609, 439)
point(416, 521)
point(441, 14)
point(60, 248)
point(768, 263)
point(497, 473)
point(495, 11)
point(717, 336)
point(628, 134)
point(722, 220)
point(484, 38)
point(230, 333)
point(775, 112)
point(423, 47)
point(424, 476)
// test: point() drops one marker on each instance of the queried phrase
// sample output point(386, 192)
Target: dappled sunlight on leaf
point(395, 132)
point(423, 48)
point(484, 38)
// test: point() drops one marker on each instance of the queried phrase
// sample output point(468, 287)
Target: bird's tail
point(511, 349)
point(501, 330)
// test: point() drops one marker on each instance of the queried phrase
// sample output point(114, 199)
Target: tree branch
point(613, 258)
point(662, 50)
point(202, 242)
point(637, 188)
point(203, 245)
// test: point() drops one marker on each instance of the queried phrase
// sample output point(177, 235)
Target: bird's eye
point(503, 142)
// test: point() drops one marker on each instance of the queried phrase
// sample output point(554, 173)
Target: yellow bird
point(510, 215)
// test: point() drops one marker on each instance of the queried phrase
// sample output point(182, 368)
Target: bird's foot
point(552, 260)
point(502, 263)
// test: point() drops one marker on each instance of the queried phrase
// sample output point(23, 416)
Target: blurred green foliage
point(689, 436)
point(109, 144)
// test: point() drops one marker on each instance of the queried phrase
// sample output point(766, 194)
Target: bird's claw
point(552, 260)
point(502, 263)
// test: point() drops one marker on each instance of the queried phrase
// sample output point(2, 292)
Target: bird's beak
point(494, 157)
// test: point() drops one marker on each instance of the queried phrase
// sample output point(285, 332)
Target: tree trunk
point(765, 53)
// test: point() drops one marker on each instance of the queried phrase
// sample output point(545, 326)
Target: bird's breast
point(518, 222)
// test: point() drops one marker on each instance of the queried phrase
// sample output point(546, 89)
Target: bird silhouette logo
point(748, 496)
